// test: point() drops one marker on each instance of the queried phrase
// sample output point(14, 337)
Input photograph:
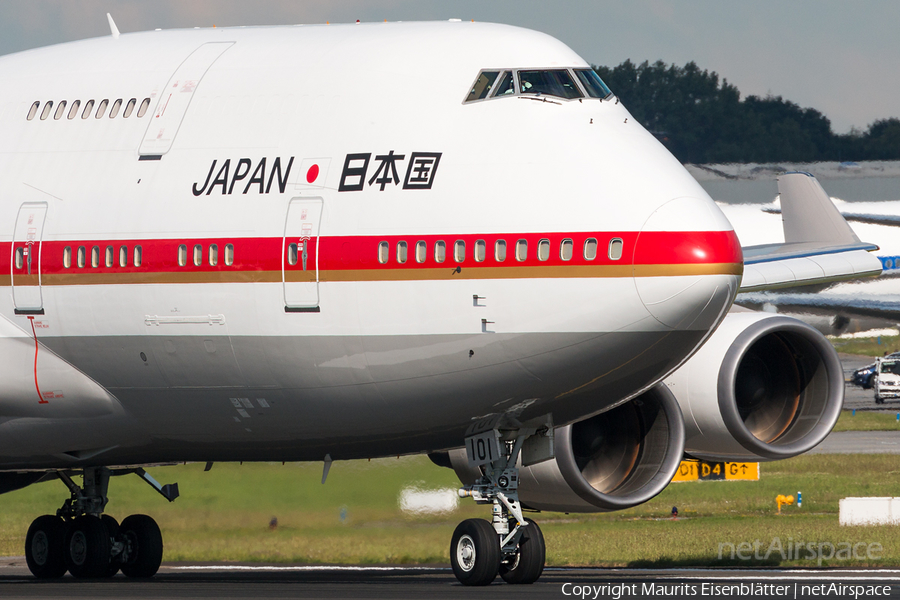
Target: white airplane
point(853, 306)
point(318, 243)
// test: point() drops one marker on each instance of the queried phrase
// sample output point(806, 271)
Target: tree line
point(704, 120)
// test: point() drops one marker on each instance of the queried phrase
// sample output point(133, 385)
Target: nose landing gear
point(508, 545)
point(89, 544)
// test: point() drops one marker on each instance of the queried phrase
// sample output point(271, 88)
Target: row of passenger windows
point(212, 255)
point(566, 250)
point(81, 259)
point(88, 110)
point(547, 82)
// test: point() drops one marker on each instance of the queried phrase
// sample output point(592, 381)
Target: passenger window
point(480, 250)
point(80, 258)
point(182, 255)
point(123, 256)
point(440, 251)
point(421, 251)
point(521, 250)
point(60, 111)
point(143, 109)
point(138, 256)
point(590, 249)
point(555, 82)
point(482, 85)
point(88, 109)
point(292, 254)
point(401, 252)
point(46, 112)
point(500, 250)
point(95, 257)
point(129, 108)
point(33, 110)
point(67, 257)
point(213, 255)
point(592, 83)
point(109, 256)
point(20, 257)
point(114, 111)
point(101, 109)
point(565, 249)
point(73, 112)
point(229, 255)
point(459, 251)
point(198, 255)
point(544, 249)
point(383, 250)
point(615, 248)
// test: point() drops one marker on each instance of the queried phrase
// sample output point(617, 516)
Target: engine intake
point(764, 387)
point(617, 459)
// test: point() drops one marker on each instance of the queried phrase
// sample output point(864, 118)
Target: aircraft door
point(300, 255)
point(174, 100)
point(26, 258)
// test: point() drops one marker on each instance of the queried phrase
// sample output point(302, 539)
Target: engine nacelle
point(617, 459)
point(764, 387)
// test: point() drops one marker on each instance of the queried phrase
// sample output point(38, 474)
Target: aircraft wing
point(857, 217)
point(820, 247)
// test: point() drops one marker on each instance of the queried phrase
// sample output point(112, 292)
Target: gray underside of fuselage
point(237, 398)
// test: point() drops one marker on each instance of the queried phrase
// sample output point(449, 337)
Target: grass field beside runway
point(225, 514)
point(872, 346)
point(867, 421)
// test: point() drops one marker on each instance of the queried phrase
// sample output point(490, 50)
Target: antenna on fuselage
point(112, 27)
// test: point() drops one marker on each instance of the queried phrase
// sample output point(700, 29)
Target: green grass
point(866, 346)
point(224, 515)
point(865, 420)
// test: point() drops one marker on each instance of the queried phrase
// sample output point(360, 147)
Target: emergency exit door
point(26, 258)
point(300, 255)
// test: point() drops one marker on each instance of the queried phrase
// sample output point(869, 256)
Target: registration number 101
point(483, 448)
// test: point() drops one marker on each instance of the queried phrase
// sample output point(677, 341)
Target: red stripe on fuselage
point(337, 253)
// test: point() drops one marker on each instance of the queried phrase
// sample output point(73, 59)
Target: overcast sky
point(839, 57)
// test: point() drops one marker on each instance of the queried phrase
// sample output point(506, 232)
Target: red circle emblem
point(312, 174)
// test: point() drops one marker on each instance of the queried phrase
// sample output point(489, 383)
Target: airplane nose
point(687, 264)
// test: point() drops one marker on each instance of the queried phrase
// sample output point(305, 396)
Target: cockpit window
point(482, 85)
point(592, 83)
point(506, 85)
point(568, 84)
point(556, 82)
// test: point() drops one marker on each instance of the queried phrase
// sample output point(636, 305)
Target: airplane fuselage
point(310, 244)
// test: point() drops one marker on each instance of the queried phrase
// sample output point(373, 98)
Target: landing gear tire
point(879, 400)
point(528, 562)
point(143, 546)
point(44, 547)
point(475, 552)
point(112, 530)
point(86, 547)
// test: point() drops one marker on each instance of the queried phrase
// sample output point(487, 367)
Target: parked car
point(887, 379)
point(864, 377)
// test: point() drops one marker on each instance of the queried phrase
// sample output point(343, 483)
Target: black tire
point(528, 563)
point(475, 552)
point(44, 545)
point(86, 548)
point(143, 546)
point(112, 529)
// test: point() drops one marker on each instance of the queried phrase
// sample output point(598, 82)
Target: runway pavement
point(435, 583)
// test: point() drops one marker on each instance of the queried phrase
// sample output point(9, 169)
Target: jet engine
point(764, 387)
point(617, 459)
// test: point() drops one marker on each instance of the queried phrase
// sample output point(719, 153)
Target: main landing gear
point(508, 545)
point(85, 542)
